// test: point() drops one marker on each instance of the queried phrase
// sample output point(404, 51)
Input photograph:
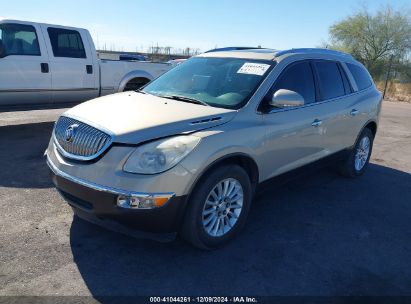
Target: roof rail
point(233, 48)
point(313, 50)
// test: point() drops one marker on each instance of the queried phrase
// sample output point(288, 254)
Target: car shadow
point(21, 155)
point(318, 234)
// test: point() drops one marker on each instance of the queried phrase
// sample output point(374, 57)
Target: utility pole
point(388, 76)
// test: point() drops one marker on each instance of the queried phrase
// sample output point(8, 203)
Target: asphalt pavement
point(319, 234)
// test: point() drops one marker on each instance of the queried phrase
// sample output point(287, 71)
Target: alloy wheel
point(222, 207)
point(362, 153)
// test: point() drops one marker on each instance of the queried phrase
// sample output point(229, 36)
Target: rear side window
point(330, 80)
point(18, 39)
point(66, 43)
point(360, 75)
point(298, 78)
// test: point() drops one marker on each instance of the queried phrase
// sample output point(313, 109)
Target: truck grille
point(77, 140)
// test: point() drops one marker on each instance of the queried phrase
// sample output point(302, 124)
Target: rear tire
point(218, 207)
point(357, 161)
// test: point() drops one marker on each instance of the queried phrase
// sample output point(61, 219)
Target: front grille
point(78, 140)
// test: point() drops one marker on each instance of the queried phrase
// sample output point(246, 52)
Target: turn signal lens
point(160, 201)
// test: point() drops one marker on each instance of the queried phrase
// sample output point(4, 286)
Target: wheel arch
point(133, 75)
point(243, 160)
point(370, 124)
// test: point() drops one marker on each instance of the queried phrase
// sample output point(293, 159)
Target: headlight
point(160, 155)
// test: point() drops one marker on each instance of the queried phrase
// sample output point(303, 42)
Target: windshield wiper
point(185, 99)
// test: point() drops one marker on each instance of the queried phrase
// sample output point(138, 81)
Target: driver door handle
point(44, 67)
point(317, 123)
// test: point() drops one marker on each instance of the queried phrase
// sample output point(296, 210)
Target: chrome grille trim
point(88, 143)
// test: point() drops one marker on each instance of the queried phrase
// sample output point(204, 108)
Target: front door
point(294, 135)
point(24, 65)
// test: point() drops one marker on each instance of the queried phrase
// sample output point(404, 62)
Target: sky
point(135, 25)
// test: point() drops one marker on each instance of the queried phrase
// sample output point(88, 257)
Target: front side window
point(218, 82)
point(18, 39)
point(66, 43)
point(330, 80)
point(360, 75)
point(298, 78)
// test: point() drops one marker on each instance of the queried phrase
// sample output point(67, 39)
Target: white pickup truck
point(44, 63)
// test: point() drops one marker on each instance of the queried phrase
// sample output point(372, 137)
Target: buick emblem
point(71, 132)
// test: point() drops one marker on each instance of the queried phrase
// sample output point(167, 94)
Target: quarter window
point(347, 85)
point(66, 43)
point(18, 39)
point(298, 78)
point(330, 81)
point(360, 75)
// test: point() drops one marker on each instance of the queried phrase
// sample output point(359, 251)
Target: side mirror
point(286, 98)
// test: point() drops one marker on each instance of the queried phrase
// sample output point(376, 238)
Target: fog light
point(140, 202)
point(127, 202)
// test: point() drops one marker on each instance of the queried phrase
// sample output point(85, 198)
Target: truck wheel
point(357, 161)
point(135, 84)
point(218, 207)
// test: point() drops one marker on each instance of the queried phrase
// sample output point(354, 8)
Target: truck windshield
point(218, 82)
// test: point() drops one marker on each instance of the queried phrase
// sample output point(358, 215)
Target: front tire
point(357, 161)
point(218, 207)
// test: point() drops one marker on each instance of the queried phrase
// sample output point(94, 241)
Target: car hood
point(133, 117)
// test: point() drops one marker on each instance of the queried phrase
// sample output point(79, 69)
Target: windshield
point(218, 82)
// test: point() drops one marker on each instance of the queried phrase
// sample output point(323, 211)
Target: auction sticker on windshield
point(253, 68)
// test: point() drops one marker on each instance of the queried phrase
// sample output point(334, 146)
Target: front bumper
point(98, 204)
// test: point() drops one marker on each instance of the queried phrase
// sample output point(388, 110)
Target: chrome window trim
point(271, 78)
point(106, 189)
point(79, 157)
point(275, 110)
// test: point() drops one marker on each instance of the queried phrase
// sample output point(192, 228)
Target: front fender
point(206, 154)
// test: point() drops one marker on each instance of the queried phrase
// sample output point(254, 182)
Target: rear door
point(294, 134)
point(361, 104)
point(24, 65)
point(74, 78)
point(335, 91)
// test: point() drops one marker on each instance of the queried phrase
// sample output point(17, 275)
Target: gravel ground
point(320, 234)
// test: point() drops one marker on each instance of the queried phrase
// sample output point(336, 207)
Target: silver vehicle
point(186, 153)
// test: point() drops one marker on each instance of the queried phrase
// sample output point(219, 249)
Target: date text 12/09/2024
point(238, 299)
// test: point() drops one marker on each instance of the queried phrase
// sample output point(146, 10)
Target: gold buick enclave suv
point(185, 153)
